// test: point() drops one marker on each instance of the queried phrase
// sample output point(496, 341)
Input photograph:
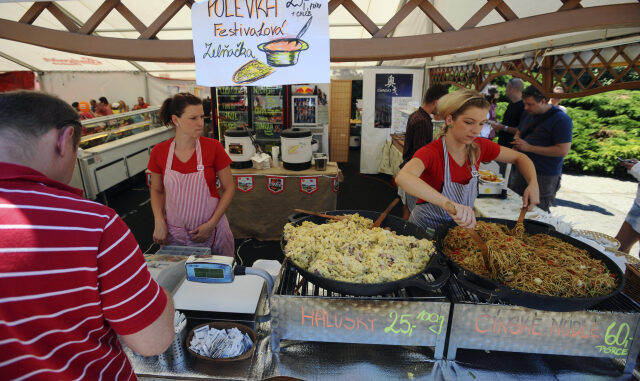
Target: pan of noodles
point(535, 267)
point(349, 257)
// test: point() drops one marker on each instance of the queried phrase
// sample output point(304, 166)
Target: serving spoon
point(520, 222)
point(384, 214)
point(474, 234)
point(321, 215)
point(304, 28)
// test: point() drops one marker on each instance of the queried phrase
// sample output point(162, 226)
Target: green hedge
point(605, 126)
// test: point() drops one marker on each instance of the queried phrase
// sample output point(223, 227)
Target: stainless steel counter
point(337, 361)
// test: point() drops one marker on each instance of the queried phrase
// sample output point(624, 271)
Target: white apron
point(428, 215)
point(189, 204)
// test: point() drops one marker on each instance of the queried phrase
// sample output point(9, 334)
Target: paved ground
point(595, 203)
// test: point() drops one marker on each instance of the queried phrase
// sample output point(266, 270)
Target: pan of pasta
point(350, 257)
point(531, 265)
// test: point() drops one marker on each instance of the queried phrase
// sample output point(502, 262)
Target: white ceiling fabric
point(342, 26)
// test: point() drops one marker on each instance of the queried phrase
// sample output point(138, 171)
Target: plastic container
point(239, 146)
point(321, 161)
point(296, 149)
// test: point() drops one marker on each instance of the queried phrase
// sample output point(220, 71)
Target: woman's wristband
point(505, 128)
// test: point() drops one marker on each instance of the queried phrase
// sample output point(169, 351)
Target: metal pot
point(494, 291)
point(435, 266)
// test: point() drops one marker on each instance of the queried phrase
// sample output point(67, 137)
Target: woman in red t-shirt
point(441, 171)
point(187, 208)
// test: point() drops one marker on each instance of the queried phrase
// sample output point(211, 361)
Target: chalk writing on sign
point(327, 319)
point(403, 323)
point(609, 337)
point(617, 340)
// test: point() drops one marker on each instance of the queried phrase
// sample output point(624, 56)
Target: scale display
point(209, 269)
point(208, 273)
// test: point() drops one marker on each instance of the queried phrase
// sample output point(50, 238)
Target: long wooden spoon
point(476, 237)
point(384, 214)
point(322, 215)
point(520, 222)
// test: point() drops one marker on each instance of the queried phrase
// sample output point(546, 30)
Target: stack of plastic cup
point(275, 152)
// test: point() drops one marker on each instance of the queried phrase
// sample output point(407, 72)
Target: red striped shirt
point(71, 278)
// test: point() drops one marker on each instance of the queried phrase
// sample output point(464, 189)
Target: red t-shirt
point(214, 159)
point(71, 277)
point(432, 156)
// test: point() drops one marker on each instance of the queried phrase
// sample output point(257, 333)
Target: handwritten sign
point(507, 328)
point(422, 323)
point(260, 42)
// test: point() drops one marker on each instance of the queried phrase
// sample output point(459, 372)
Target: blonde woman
point(446, 170)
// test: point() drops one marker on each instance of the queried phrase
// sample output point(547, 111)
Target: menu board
point(260, 42)
point(267, 111)
point(518, 329)
point(232, 105)
point(420, 323)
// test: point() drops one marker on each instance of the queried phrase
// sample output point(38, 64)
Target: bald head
point(514, 88)
point(516, 84)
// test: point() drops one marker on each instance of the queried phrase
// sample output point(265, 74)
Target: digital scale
point(212, 287)
point(210, 268)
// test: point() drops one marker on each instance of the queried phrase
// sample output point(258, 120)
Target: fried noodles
point(538, 263)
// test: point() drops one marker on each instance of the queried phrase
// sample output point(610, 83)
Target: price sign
point(518, 329)
point(415, 322)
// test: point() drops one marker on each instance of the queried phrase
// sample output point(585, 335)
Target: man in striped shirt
point(72, 277)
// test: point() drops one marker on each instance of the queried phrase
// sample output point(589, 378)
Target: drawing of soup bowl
point(283, 51)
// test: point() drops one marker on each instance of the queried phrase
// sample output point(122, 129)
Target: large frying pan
point(494, 291)
point(435, 266)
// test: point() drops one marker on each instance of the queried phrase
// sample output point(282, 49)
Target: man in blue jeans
point(545, 136)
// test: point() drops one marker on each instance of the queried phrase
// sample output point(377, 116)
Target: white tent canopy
point(20, 56)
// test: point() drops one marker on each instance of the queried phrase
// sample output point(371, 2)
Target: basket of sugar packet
point(221, 341)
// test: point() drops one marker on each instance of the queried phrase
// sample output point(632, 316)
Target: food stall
point(420, 328)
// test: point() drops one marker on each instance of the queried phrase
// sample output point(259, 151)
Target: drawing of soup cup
point(283, 51)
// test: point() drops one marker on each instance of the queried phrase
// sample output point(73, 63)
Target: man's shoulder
point(419, 116)
point(560, 117)
point(46, 195)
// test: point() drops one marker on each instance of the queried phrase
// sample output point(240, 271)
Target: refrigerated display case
point(232, 108)
point(268, 112)
point(262, 109)
point(116, 147)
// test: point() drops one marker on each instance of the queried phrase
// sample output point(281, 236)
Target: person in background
point(446, 170)
point(93, 105)
point(419, 133)
point(141, 104)
point(187, 209)
point(629, 233)
point(492, 97)
point(115, 107)
point(556, 101)
point(545, 135)
point(122, 106)
point(511, 117)
point(72, 279)
point(103, 107)
point(84, 114)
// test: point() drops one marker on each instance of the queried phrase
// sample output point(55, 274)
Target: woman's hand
point(531, 196)
point(203, 232)
point(160, 232)
point(464, 215)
